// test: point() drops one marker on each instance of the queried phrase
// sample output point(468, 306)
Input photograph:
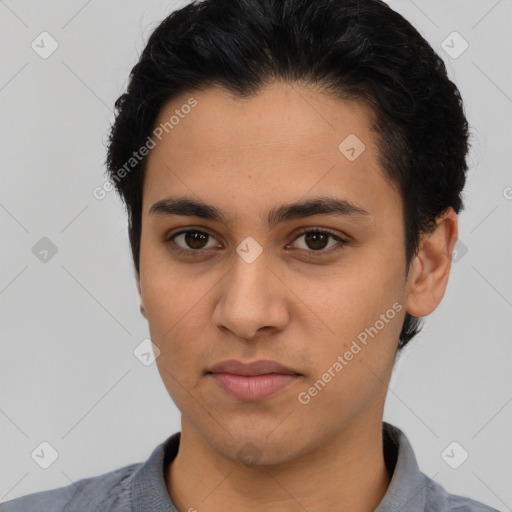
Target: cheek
point(166, 291)
point(175, 314)
point(175, 317)
point(176, 329)
point(354, 296)
point(363, 308)
point(353, 365)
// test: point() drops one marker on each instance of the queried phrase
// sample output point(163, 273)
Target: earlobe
point(142, 310)
point(430, 268)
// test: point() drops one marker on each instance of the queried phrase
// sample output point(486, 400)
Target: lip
point(252, 381)
point(262, 367)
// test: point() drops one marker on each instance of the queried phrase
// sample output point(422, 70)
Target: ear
point(430, 268)
point(142, 310)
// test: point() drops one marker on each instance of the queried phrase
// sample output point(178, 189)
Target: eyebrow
point(315, 206)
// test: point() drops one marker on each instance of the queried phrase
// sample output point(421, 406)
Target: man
point(292, 172)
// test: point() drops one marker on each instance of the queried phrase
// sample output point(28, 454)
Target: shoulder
point(439, 500)
point(109, 491)
point(412, 490)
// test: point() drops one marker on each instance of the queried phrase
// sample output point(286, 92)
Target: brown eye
point(316, 241)
point(191, 242)
point(196, 239)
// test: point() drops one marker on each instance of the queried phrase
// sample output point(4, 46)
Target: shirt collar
point(149, 489)
point(407, 490)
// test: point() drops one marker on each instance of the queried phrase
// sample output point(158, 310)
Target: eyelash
point(310, 253)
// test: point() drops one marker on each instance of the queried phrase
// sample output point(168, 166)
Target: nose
point(253, 300)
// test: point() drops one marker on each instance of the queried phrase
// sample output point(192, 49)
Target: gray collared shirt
point(141, 487)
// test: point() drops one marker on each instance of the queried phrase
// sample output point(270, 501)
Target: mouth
point(252, 381)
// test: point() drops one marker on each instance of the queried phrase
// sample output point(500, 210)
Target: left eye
point(317, 241)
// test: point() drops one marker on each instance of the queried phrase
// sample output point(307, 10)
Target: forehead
point(277, 146)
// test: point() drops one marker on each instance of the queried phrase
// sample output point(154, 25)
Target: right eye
point(191, 242)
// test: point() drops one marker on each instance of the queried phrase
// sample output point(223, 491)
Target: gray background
point(69, 325)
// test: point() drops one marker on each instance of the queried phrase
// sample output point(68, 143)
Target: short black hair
point(353, 49)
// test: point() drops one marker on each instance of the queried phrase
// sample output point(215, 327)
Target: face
point(298, 259)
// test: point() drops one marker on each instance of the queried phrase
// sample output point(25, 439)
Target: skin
point(291, 305)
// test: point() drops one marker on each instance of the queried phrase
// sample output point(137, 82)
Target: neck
point(348, 472)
